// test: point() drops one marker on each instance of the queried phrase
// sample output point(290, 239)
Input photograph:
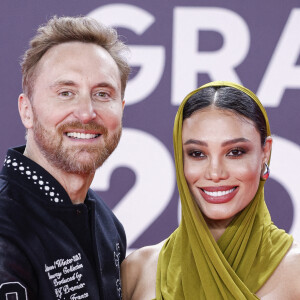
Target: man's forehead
point(77, 56)
point(66, 50)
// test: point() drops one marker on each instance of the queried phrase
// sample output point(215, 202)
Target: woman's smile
point(219, 194)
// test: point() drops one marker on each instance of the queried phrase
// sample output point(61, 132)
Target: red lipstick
point(218, 194)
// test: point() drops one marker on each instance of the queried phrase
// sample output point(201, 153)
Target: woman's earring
point(266, 173)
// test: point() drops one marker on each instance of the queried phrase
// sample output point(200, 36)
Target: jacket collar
point(23, 171)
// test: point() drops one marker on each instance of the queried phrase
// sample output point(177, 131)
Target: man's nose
point(84, 110)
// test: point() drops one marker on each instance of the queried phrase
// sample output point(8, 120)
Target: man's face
point(77, 107)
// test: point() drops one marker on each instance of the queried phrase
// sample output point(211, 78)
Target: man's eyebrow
point(72, 83)
point(105, 84)
point(63, 82)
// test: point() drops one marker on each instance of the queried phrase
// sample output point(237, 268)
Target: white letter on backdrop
point(151, 59)
point(146, 156)
point(282, 71)
point(220, 64)
point(284, 170)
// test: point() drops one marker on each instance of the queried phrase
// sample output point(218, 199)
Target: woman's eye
point(196, 154)
point(236, 152)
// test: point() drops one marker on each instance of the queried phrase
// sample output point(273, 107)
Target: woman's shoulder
point(140, 258)
point(284, 282)
point(291, 261)
point(290, 271)
point(290, 264)
point(144, 253)
point(138, 272)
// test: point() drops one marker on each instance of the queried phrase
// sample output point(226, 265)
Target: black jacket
point(50, 248)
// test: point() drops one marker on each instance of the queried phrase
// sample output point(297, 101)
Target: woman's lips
point(218, 195)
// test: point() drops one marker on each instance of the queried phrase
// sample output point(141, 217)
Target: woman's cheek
point(192, 172)
point(246, 172)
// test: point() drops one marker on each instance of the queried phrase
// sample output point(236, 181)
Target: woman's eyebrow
point(234, 141)
point(197, 142)
point(201, 143)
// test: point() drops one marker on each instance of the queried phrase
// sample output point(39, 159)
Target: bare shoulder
point(136, 261)
point(143, 254)
point(292, 261)
point(290, 272)
point(138, 272)
point(284, 282)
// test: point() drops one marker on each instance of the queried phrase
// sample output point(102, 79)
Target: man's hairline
point(34, 69)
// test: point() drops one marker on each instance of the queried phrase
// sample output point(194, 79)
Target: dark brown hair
point(228, 98)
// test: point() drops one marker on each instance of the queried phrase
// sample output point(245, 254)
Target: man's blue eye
point(66, 93)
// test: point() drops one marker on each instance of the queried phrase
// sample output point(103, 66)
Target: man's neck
point(76, 185)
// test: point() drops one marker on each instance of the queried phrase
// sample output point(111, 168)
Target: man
point(58, 240)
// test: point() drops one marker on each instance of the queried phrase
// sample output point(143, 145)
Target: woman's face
point(223, 160)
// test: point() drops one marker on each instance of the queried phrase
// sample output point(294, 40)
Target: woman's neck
point(217, 227)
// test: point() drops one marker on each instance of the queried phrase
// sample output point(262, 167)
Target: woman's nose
point(216, 170)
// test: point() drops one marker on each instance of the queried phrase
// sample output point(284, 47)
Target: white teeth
point(79, 135)
point(218, 193)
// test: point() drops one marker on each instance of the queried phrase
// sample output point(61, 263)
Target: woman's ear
point(267, 150)
point(25, 111)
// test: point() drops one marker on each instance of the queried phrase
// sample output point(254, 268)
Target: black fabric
point(49, 247)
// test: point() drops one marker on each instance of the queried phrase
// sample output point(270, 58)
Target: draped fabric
point(192, 265)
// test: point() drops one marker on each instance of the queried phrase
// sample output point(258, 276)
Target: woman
point(226, 246)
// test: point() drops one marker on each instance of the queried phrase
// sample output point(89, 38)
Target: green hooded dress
point(192, 265)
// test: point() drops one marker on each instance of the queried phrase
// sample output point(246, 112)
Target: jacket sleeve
point(16, 273)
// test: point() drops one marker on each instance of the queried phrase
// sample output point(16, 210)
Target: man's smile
point(80, 135)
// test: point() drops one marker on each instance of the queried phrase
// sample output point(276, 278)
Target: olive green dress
point(192, 265)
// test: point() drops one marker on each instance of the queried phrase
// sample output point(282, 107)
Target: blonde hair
point(60, 30)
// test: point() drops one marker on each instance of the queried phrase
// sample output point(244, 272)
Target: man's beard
point(69, 159)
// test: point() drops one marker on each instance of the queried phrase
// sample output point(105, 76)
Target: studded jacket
point(50, 248)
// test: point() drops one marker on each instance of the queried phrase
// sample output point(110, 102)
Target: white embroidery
point(66, 276)
point(33, 176)
point(117, 255)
